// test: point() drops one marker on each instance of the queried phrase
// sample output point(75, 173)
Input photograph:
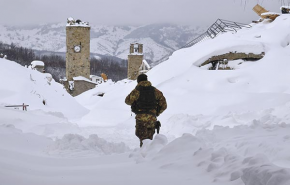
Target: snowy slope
point(221, 127)
point(198, 99)
point(215, 92)
point(158, 39)
point(22, 85)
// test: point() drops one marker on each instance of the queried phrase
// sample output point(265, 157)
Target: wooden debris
point(104, 76)
point(24, 107)
point(270, 15)
point(285, 9)
point(265, 14)
point(259, 9)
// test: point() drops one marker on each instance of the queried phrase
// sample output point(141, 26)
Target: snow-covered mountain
point(158, 39)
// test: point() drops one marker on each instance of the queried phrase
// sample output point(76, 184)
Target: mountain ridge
point(159, 40)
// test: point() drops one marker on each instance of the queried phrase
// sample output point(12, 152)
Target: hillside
point(22, 85)
point(158, 39)
point(222, 127)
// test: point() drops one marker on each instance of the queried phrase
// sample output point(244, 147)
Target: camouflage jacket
point(134, 95)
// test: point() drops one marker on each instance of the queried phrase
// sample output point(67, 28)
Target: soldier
point(147, 103)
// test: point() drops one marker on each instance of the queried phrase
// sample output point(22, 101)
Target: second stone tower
point(135, 59)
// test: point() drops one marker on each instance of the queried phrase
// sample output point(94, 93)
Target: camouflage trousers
point(145, 127)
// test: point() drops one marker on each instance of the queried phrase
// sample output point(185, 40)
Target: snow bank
point(109, 110)
point(192, 91)
point(252, 155)
point(149, 148)
point(15, 141)
point(266, 174)
point(21, 85)
point(221, 127)
point(49, 124)
point(73, 145)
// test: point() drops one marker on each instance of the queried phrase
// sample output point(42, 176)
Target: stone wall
point(77, 63)
point(234, 56)
point(80, 86)
point(131, 48)
point(134, 63)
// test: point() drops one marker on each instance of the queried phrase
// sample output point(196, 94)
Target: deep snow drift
point(23, 85)
point(221, 127)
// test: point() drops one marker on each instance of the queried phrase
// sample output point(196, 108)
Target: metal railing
point(215, 29)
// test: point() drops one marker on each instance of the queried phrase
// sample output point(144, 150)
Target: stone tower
point(77, 57)
point(78, 50)
point(135, 59)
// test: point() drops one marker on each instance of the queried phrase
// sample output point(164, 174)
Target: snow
point(72, 145)
point(70, 19)
point(136, 53)
point(270, 13)
point(144, 68)
point(97, 57)
point(288, 7)
point(37, 63)
point(82, 24)
point(22, 85)
point(146, 64)
point(81, 78)
point(222, 127)
point(96, 79)
point(77, 23)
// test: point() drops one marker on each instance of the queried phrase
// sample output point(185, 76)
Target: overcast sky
point(120, 12)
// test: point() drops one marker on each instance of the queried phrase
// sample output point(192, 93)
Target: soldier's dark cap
point(141, 78)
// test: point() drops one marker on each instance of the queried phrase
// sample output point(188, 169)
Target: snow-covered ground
point(221, 127)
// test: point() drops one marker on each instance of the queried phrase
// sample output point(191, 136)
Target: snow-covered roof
point(97, 57)
point(94, 76)
point(146, 64)
point(81, 78)
point(37, 63)
point(144, 68)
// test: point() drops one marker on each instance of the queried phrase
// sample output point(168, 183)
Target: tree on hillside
point(113, 69)
point(55, 64)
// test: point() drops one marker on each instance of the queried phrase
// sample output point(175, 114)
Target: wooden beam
point(259, 9)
